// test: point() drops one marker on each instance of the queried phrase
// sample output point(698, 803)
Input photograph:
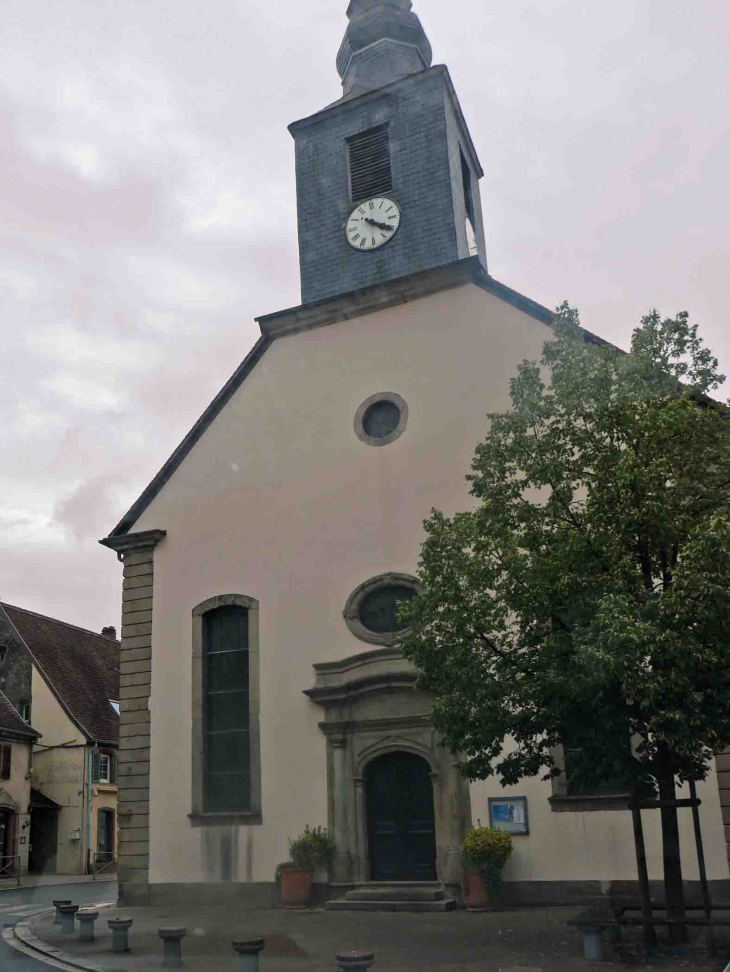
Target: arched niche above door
point(7, 802)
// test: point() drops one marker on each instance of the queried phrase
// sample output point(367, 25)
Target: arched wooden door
point(401, 828)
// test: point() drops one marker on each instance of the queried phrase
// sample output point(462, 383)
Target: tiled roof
point(81, 667)
point(11, 719)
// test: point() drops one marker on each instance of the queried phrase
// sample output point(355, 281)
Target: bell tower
point(388, 176)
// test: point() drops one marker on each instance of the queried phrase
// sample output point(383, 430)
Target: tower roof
point(384, 42)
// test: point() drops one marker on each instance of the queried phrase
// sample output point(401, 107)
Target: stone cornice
point(132, 542)
point(384, 669)
point(354, 661)
point(361, 686)
point(371, 725)
point(369, 300)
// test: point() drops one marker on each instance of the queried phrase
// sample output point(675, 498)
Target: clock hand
point(382, 226)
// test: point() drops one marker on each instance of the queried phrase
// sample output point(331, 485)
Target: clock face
point(373, 223)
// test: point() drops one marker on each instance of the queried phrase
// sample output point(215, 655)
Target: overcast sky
point(147, 214)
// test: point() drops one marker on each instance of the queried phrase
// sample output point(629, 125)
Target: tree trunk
point(673, 887)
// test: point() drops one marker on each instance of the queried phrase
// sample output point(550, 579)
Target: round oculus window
point(379, 609)
point(371, 611)
point(381, 419)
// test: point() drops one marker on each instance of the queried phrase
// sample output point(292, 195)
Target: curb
point(61, 884)
point(25, 935)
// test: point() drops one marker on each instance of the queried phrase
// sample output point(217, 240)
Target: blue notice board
point(509, 813)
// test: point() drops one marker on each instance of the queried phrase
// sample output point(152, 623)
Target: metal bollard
point(86, 921)
point(172, 952)
point(592, 943)
point(120, 930)
point(68, 913)
point(57, 904)
point(248, 953)
point(354, 961)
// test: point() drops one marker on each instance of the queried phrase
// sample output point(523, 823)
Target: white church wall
point(599, 845)
point(282, 502)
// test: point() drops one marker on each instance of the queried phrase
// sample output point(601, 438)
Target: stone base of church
point(538, 893)
point(514, 893)
point(249, 895)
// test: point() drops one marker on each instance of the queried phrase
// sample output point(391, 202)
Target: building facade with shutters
point(262, 688)
point(16, 749)
point(71, 686)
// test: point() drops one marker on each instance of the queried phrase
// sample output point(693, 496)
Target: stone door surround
point(372, 707)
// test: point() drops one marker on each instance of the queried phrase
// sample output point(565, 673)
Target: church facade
point(262, 688)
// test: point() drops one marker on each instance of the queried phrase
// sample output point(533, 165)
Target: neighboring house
point(261, 684)
point(16, 748)
point(70, 679)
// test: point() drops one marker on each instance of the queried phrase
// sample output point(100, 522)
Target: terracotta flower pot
point(296, 886)
point(476, 896)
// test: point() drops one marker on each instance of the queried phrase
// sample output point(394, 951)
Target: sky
point(147, 215)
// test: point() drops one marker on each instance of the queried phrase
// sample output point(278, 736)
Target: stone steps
point(394, 896)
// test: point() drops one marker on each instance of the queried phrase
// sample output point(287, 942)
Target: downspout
point(89, 865)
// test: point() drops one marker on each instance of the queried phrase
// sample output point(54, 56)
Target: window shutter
point(6, 761)
point(370, 172)
point(112, 767)
point(95, 767)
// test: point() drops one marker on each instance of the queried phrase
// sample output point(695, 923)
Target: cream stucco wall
point(61, 773)
point(599, 845)
point(282, 502)
point(15, 796)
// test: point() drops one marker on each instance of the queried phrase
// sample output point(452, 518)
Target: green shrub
point(312, 847)
point(487, 850)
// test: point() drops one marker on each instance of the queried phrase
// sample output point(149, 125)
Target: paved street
point(19, 904)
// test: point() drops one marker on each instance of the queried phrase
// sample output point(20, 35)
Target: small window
point(103, 768)
point(25, 711)
point(371, 611)
point(3, 653)
point(379, 609)
point(381, 419)
point(115, 705)
point(369, 159)
point(6, 757)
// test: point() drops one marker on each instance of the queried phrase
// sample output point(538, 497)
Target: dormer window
point(25, 711)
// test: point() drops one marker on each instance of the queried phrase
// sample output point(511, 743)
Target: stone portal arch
point(372, 708)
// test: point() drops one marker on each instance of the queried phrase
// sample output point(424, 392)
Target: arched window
point(226, 760)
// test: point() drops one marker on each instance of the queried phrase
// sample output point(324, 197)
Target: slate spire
point(384, 42)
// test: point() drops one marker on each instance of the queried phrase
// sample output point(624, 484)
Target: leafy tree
point(585, 598)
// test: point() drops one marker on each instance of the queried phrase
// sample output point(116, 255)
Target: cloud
point(147, 214)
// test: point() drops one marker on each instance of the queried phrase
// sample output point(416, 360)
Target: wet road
point(19, 904)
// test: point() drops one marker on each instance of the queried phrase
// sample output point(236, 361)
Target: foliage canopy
point(585, 598)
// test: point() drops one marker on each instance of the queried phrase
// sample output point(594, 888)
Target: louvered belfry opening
point(369, 156)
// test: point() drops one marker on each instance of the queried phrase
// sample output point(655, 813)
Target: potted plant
point(484, 853)
point(311, 848)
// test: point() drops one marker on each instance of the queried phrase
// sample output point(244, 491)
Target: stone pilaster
point(136, 551)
